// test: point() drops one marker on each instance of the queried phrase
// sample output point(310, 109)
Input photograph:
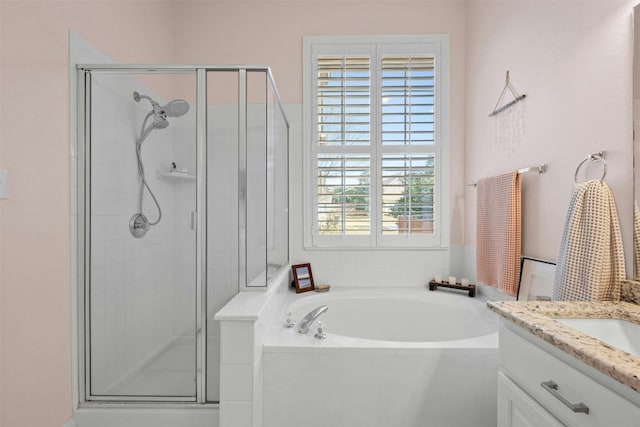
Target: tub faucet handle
point(321, 334)
point(289, 323)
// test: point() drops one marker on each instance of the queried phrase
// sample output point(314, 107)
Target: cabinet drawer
point(517, 409)
point(530, 366)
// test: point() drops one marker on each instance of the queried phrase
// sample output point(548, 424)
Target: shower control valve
point(289, 323)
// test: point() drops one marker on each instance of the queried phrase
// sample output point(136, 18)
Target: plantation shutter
point(343, 194)
point(344, 101)
point(344, 124)
point(407, 120)
point(408, 100)
point(373, 124)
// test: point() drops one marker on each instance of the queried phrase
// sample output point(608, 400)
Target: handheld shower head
point(175, 108)
point(160, 121)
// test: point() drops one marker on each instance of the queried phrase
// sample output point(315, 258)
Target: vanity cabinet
point(536, 388)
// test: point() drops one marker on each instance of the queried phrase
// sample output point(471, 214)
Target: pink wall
point(35, 264)
point(573, 60)
point(270, 32)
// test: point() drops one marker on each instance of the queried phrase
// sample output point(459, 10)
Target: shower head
point(175, 108)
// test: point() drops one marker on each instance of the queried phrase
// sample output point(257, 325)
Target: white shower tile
point(102, 177)
point(97, 254)
point(129, 163)
point(236, 382)
point(98, 337)
point(132, 272)
point(99, 383)
point(235, 414)
point(128, 204)
point(389, 276)
point(105, 153)
point(114, 302)
point(237, 343)
point(97, 228)
point(114, 276)
point(347, 276)
point(114, 252)
point(126, 135)
point(133, 249)
point(258, 395)
point(112, 133)
point(115, 326)
point(97, 307)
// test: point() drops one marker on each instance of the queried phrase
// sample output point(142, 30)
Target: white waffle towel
point(590, 263)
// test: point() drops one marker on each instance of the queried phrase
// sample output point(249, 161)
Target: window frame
point(375, 47)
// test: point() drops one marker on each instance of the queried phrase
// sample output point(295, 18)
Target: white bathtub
point(392, 358)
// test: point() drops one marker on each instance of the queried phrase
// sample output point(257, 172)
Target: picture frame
point(302, 277)
point(536, 279)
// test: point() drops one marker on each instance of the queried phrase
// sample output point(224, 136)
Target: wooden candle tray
point(433, 285)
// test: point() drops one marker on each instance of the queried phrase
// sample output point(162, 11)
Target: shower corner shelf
point(176, 176)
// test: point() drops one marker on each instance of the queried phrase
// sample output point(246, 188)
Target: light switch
point(4, 184)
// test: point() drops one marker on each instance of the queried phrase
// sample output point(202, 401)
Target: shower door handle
point(193, 220)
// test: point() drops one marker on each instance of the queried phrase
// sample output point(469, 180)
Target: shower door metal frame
point(85, 73)
point(83, 238)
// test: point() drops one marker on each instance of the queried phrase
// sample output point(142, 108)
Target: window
point(375, 127)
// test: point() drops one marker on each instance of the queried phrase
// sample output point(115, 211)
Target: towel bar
point(539, 168)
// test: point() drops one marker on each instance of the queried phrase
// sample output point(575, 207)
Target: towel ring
point(593, 157)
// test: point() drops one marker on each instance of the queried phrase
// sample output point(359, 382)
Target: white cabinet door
point(517, 409)
point(528, 366)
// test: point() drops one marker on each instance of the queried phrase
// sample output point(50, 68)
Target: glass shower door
point(140, 275)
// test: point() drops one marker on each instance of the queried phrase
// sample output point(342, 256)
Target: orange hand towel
point(499, 232)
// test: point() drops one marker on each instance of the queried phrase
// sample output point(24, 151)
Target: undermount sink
point(615, 332)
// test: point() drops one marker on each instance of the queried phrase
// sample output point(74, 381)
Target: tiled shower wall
point(222, 228)
point(143, 290)
point(139, 287)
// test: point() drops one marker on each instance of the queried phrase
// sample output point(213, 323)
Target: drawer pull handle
point(552, 388)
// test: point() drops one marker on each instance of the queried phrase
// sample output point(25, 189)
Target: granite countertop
point(537, 317)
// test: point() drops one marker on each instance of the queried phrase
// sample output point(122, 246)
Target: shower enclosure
point(182, 203)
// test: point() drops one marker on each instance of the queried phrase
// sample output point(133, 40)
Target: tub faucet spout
point(307, 321)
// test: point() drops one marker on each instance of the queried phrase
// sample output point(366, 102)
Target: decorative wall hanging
point(509, 120)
